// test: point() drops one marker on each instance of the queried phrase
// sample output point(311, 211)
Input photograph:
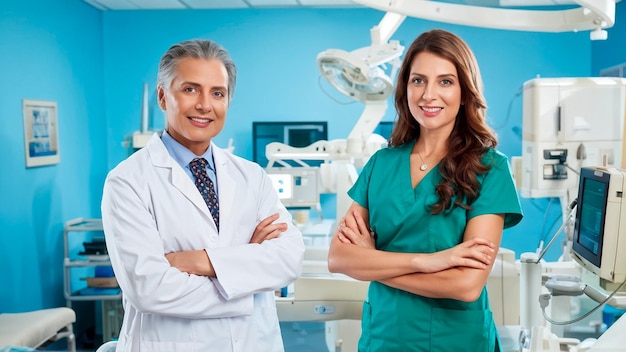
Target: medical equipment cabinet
point(77, 265)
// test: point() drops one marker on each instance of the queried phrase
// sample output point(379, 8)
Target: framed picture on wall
point(41, 134)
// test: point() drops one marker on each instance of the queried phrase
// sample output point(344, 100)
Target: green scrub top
point(396, 320)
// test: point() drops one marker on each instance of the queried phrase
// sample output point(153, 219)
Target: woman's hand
point(474, 253)
point(352, 229)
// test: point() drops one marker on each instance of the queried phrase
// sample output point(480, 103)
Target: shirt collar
point(182, 155)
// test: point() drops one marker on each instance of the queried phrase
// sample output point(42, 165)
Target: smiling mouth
point(200, 119)
point(431, 109)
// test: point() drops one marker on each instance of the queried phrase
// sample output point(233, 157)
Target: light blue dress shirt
point(184, 156)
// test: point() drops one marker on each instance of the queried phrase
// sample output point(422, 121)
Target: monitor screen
point(295, 134)
point(599, 240)
point(296, 186)
point(590, 216)
point(283, 184)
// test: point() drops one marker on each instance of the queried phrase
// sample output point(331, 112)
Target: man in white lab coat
point(192, 280)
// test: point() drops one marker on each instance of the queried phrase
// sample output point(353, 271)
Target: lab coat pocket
point(166, 334)
point(366, 315)
point(266, 334)
point(266, 331)
point(455, 330)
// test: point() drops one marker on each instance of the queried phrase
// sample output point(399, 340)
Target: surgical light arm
point(360, 75)
point(591, 15)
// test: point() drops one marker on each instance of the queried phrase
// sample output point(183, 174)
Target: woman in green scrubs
point(428, 211)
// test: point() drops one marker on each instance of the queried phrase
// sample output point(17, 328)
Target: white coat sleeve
point(250, 268)
point(138, 258)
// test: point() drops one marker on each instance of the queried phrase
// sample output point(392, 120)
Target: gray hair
point(197, 49)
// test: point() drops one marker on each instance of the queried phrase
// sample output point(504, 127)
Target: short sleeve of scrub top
point(497, 192)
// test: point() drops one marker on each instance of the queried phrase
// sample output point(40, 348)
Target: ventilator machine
point(572, 149)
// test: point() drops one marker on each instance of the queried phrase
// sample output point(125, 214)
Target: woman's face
point(433, 92)
point(196, 102)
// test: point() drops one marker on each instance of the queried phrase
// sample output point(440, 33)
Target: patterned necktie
point(205, 186)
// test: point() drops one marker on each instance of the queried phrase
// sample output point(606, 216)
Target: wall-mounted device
point(569, 123)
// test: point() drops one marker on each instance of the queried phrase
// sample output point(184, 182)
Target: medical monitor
point(599, 242)
point(283, 184)
point(296, 186)
point(295, 134)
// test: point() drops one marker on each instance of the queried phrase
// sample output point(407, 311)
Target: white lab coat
point(151, 207)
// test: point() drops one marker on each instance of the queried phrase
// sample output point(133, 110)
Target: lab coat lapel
point(225, 185)
point(179, 178)
point(185, 185)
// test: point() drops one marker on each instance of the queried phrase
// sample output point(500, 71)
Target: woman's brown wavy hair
point(471, 137)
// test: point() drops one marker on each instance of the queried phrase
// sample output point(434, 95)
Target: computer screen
point(591, 215)
point(295, 134)
point(296, 186)
point(283, 184)
point(599, 240)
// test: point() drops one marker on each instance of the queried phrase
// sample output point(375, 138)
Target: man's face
point(196, 102)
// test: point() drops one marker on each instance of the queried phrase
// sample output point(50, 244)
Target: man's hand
point(266, 230)
point(194, 262)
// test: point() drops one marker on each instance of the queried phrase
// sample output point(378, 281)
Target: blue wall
point(49, 50)
point(611, 52)
point(278, 78)
point(94, 65)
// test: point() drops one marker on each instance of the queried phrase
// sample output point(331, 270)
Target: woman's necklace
point(424, 166)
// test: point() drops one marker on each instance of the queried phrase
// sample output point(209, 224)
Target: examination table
point(33, 329)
